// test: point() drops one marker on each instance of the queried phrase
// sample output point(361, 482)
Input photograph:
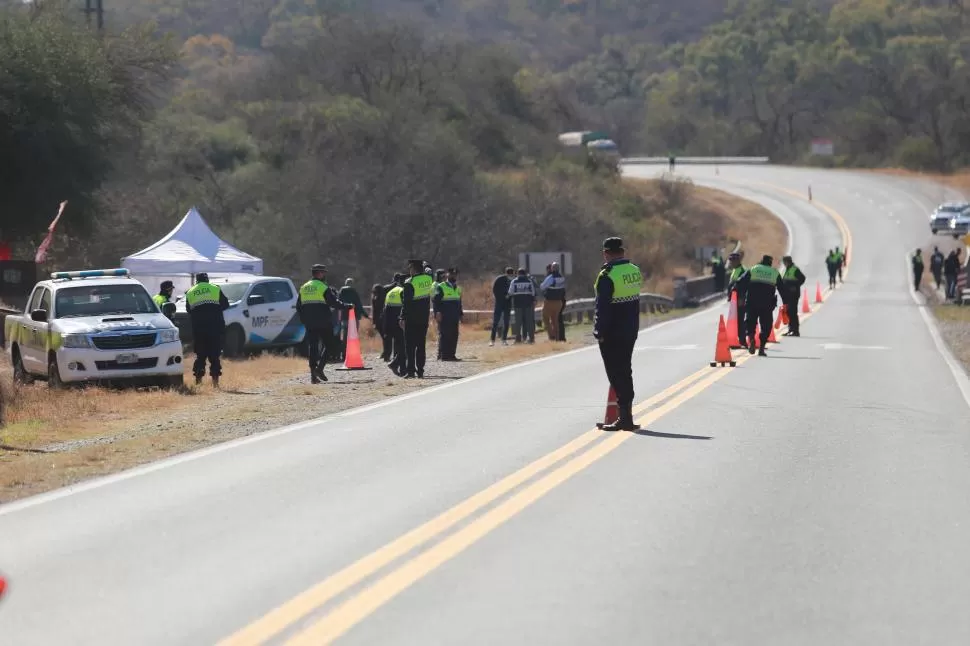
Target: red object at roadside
point(4, 251)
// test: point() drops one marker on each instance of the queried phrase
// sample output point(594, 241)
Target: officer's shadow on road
point(670, 436)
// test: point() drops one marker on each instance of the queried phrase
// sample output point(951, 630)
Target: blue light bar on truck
point(90, 273)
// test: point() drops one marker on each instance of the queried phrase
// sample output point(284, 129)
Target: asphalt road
point(817, 496)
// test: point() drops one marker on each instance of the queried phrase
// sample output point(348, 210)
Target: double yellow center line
point(516, 493)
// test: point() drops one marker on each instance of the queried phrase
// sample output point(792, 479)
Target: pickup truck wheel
point(53, 373)
point(20, 374)
point(235, 342)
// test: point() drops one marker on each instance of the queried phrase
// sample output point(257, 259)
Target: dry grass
point(759, 231)
point(959, 180)
point(954, 321)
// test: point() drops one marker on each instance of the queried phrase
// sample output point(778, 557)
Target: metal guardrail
point(696, 160)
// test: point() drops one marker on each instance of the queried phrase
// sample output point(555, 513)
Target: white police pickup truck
point(261, 316)
point(97, 325)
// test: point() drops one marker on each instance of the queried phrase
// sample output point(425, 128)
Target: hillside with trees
point(363, 132)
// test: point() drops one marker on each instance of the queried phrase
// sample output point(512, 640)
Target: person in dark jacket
point(522, 293)
point(719, 271)
point(616, 325)
point(388, 335)
point(832, 264)
point(394, 338)
point(314, 305)
point(448, 314)
point(205, 304)
point(951, 269)
point(503, 305)
point(936, 266)
point(415, 310)
point(761, 282)
point(793, 279)
point(377, 295)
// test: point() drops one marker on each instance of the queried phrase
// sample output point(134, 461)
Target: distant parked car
point(942, 219)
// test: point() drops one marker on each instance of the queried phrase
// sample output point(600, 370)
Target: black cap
point(613, 244)
point(734, 254)
point(398, 276)
point(167, 284)
point(202, 277)
point(318, 267)
point(767, 260)
point(787, 259)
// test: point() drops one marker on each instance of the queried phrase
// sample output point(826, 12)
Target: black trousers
point(320, 343)
point(760, 316)
point(618, 361)
point(742, 323)
point(792, 305)
point(525, 324)
point(415, 338)
point(832, 272)
point(397, 354)
point(207, 343)
point(938, 277)
point(448, 337)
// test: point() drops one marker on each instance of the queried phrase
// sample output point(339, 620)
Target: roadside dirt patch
point(954, 322)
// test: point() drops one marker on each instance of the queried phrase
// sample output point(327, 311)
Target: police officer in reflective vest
point(393, 334)
point(313, 305)
point(448, 313)
point(793, 278)
point(761, 282)
point(164, 296)
point(415, 310)
point(616, 325)
point(205, 304)
point(439, 277)
point(736, 271)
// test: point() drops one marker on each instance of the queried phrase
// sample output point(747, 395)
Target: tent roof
point(189, 248)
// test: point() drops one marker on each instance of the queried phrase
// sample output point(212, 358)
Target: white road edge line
point(959, 374)
point(97, 483)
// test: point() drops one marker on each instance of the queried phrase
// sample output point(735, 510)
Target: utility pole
point(94, 7)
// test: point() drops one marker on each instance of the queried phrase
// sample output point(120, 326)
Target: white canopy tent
point(189, 248)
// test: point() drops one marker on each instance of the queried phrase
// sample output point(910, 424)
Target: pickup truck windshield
point(234, 291)
point(102, 300)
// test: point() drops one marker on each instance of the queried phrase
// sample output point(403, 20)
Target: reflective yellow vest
point(393, 298)
point(203, 294)
point(422, 286)
point(763, 274)
point(627, 282)
point(313, 291)
point(449, 293)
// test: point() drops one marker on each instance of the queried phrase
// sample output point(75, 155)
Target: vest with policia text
point(422, 285)
point(449, 293)
point(627, 282)
point(160, 299)
point(393, 298)
point(764, 275)
point(791, 275)
point(737, 272)
point(203, 294)
point(313, 291)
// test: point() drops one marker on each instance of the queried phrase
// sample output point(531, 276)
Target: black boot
point(624, 422)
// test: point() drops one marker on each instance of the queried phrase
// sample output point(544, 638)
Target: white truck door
point(34, 344)
point(260, 330)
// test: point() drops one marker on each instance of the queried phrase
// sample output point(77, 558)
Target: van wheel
point(53, 373)
point(235, 342)
point(20, 374)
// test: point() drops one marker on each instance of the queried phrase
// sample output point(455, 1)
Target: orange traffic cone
point(3, 586)
point(757, 337)
point(353, 360)
point(778, 320)
point(612, 410)
point(784, 315)
point(806, 308)
point(818, 292)
point(733, 338)
point(722, 351)
point(771, 337)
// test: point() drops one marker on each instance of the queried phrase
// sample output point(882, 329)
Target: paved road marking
point(354, 610)
point(364, 603)
point(847, 346)
point(306, 602)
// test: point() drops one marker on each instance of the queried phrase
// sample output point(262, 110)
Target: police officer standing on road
point(449, 314)
point(832, 264)
point(616, 325)
point(793, 278)
point(840, 263)
point(415, 310)
point(205, 304)
point(738, 270)
point(917, 262)
point(313, 305)
point(761, 282)
point(394, 335)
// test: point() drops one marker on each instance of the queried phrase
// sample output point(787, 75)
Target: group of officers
point(755, 288)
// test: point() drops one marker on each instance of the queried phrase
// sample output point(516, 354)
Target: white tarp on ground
point(190, 247)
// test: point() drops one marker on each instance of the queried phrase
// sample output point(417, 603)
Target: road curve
point(816, 496)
